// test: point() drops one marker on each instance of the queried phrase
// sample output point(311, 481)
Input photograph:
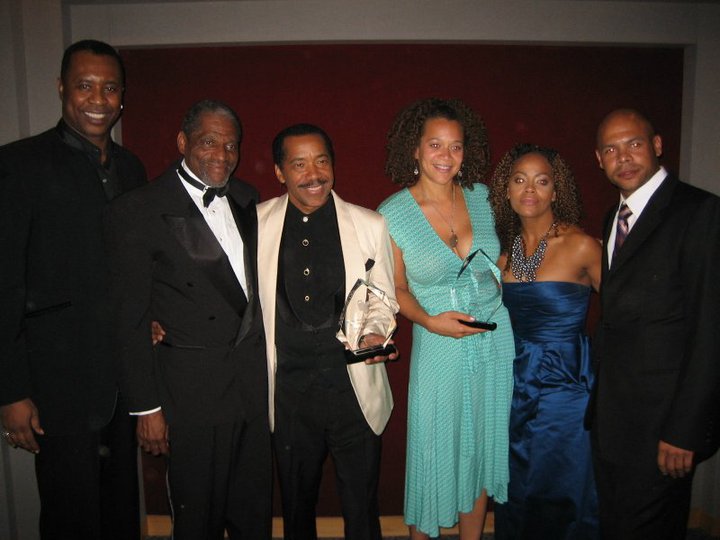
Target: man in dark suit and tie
point(655, 413)
point(184, 254)
point(58, 385)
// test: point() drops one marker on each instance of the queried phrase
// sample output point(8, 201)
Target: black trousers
point(308, 426)
point(88, 483)
point(637, 502)
point(220, 477)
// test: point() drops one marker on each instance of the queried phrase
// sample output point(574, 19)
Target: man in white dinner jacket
point(312, 249)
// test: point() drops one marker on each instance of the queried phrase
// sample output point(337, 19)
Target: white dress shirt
point(636, 202)
point(220, 219)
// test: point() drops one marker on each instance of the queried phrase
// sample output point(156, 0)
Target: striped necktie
point(622, 228)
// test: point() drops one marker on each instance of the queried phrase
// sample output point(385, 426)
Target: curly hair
point(407, 129)
point(566, 208)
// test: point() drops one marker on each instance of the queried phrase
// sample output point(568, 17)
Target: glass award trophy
point(478, 290)
point(367, 323)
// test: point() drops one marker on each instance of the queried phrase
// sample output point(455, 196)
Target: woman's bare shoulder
point(576, 238)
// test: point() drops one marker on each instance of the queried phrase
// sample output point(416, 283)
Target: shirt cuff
point(143, 413)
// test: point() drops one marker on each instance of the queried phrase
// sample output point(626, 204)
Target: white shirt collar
point(638, 199)
point(188, 185)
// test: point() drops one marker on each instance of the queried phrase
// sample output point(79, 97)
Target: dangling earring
point(415, 170)
point(459, 174)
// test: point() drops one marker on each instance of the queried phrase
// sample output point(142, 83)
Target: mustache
point(314, 182)
point(215, 163)
point(206, 176)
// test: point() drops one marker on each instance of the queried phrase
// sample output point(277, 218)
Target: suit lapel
point(351, 246)
point(270, 234)
point(193, 233)
point(271, 217)
point(652, 217)
point(246, 221)
point(245, 216)
point(606, 235)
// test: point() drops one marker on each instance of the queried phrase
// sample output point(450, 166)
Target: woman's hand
point(445, 324)
point(448, 324)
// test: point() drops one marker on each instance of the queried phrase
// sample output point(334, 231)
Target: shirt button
point(305, 219)
point(305, 242)
point(306, 272)
point(307, 298)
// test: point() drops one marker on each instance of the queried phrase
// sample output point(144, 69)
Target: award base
point(360, 355)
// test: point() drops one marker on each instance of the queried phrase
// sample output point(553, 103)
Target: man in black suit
point(184, 254)
point(58, 386)
point(656, 410)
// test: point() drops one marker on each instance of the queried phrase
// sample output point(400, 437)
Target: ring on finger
point(8, 439)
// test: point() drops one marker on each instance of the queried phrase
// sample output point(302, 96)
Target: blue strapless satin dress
point(551, 494)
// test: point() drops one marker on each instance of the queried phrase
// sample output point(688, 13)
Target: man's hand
point(20, 422)
point(674, 461)
point(152, 433)
point(371, 340)
point(158, 332)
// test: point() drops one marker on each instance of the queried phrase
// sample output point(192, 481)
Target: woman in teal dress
point(460, 376)
point(549, 267)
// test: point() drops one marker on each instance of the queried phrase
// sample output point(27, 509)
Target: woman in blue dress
point(460, 376)
point(549, 267)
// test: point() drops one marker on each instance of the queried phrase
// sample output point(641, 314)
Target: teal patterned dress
point(460, 389)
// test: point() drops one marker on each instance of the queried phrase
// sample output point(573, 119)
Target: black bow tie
point(209, 193)
point(212, 192)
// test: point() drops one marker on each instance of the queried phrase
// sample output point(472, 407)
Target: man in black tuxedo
point(655, 414)
point(184, 254)
point(58, 385)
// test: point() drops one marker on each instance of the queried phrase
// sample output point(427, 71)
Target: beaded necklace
point(525, 268)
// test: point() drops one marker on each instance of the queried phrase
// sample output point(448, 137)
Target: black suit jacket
point(168, 267)
point(55, 324)
point(657, 348)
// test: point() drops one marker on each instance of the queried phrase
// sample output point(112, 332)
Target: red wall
point(553, 96)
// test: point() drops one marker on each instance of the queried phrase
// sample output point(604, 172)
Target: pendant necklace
point(453, 240)
point(525, 268)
